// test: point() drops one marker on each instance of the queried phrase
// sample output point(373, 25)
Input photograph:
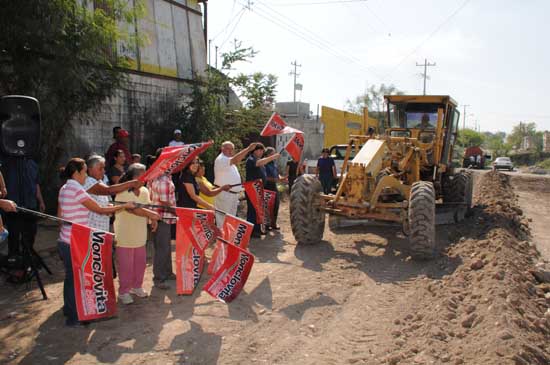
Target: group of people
point(85, 198)
point(90, 185)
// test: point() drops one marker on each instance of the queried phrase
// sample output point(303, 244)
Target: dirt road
point(534, 198)
point(356, 297)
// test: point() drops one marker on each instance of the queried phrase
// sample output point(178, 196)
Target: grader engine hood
point(366, 163)
point(371, 156)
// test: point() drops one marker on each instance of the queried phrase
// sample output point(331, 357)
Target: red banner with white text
point(226, 283)
point(92, 262)
point(235, 231)
point(276, 125)
point(174, 159)
point(195, 230)
point(295, 146)
point(255, 192)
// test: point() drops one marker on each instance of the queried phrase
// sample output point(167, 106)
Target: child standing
point(131, 237)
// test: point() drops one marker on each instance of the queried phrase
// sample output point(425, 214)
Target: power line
point(233, 18)
point(425, 74)
point(234, 27)
point(437, 29)
point(319, 3)
point(284, 22)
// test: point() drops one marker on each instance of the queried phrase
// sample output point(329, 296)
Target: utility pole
point(464, 116)
point(209, 51)
point(216, 60)
point(296, 74)
point(425, 74)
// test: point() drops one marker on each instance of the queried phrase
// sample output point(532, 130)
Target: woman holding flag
point(188, 189)
point(131, 236)
point(74, 206)
point(272, 178)
point(255, 170)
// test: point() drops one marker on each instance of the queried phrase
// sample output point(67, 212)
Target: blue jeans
point(326, 182)
point(69, 307)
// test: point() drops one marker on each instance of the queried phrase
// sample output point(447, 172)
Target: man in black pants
point(21, 176)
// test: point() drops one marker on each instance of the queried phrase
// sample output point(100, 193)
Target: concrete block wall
point(145, 99)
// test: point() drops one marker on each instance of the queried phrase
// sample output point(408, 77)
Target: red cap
point(123, 133)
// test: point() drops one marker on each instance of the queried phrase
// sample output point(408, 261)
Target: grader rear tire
point(421, 216)
point(306, 219)
point(460, 190)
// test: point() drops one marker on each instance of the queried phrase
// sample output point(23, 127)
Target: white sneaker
point(139, 292)
point(126, 298)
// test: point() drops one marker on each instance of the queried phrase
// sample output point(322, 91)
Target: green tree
point(373, 100)
point(469, 137)
point(495, 143)
point(521, 130)
point(207, 114)
point(65, 56)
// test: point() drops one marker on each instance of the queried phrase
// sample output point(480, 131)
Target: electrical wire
point(233, 18)
point(434, 32)
point(282, 21)
point(319, 3)
point(234, 27)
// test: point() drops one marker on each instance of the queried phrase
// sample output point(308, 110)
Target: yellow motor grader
point(401, 176)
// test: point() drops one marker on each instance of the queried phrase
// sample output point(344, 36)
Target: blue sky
point(492, 55)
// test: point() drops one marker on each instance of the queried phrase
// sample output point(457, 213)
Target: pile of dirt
point(494, 307)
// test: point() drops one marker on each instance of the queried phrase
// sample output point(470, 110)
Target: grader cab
point(402, 176)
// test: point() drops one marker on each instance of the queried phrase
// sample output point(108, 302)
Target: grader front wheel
point(421, 220)
point(306, 219)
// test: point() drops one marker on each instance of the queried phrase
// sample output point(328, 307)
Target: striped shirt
point(163, 189)
point(99, 221)
point(71, 197)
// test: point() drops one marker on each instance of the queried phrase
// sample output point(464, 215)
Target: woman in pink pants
point(131, 237)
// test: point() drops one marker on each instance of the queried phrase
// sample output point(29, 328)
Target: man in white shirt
point(226, 173)
point(177, 141)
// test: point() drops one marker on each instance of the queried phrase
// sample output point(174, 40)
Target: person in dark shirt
point(292, 172)
point(272, 178)
point(255, 169)
point(326, 170)
point(22, 187)
point(188, 189)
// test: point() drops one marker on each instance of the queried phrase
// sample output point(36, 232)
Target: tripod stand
point(25, 266)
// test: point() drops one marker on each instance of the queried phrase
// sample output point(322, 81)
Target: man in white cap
point(176, 142)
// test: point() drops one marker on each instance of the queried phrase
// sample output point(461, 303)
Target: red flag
point(269, 206)
point(92, 261)
point(194, 231)
point(229, 280)
point(255, 192)
point(276, 125)
point(174, 159)
point(295, 146)
point(235, 231)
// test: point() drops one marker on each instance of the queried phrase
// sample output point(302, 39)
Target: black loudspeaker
point(19, 125)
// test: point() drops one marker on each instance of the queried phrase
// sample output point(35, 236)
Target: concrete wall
point(161, 75)
point(145, 100)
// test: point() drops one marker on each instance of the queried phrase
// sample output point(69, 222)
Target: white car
point(503, 163)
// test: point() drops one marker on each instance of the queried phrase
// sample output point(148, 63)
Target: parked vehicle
point(503, 163)
point(475, 157)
